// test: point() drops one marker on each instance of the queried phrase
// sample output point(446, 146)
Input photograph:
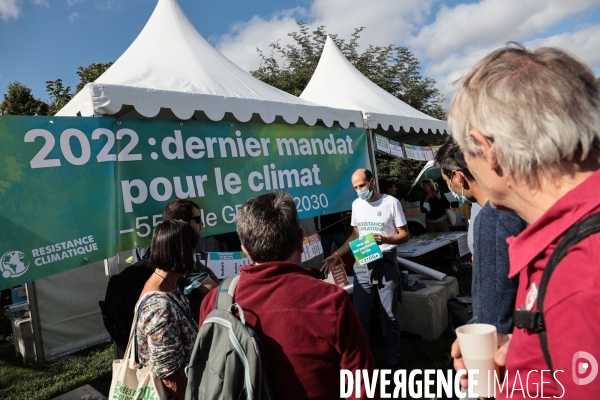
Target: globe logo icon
point(12, 264)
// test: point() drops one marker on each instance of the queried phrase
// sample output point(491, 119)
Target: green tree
point(91, 73)
point(18, 100)
point(393, 68)
point(59, 95)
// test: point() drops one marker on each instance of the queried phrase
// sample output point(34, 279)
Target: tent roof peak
point(337, 83)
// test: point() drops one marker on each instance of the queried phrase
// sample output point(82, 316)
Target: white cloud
point(448, 47)
point(41, 3)
point(241, 44)
point(584, 44)
point(386, 21)
point(461, 36)
point(113, 5)
point(14, 8)
point(109, 5)
point(470, 27)
point(9, 9)
point(74, 16)
point(72, 2)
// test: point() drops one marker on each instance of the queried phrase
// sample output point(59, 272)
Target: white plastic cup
point(478, 346)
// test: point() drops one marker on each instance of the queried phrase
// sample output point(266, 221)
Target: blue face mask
point(365, 194)
point(462, 198)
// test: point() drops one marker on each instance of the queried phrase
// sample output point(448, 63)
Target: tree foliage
point(18, 100)
point(59, 95)
point(91, 73)
point(393, 68)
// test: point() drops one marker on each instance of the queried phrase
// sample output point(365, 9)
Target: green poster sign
point(77, 190)
point(365, 250)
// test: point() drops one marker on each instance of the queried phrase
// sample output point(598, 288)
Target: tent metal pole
point(34, 315)
point(370, 141)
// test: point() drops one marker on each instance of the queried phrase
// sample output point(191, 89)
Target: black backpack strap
point(535, 320)
point(226, 292)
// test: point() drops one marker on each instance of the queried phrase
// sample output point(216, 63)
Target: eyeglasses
point(196, 218)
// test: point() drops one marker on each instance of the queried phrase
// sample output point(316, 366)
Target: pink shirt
point(571, 304)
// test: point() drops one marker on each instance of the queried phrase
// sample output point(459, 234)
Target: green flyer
point(365, 250)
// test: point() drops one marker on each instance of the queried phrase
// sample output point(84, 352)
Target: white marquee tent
point(337, 83)
point(171, 72)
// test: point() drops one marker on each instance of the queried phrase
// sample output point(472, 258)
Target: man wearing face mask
point(492, 292)
point(381, 215)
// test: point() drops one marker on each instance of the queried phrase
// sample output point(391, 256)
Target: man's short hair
point(173, 246)
point(450, 158)
point(179, 209)
point(539, 108)
point(268, 227)
point(368, 175)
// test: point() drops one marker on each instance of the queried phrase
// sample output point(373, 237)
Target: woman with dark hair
point(166, 331)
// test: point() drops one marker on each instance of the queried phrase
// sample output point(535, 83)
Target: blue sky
point(44, 40)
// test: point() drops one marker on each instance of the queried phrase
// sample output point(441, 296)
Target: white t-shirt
point(383, 216)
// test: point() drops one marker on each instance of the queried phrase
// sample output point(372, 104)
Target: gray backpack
point(227, 361)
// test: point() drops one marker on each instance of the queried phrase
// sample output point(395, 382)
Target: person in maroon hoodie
point(528, 123)
point(308, 328)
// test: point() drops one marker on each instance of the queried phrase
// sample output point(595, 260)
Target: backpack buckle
point(529, 320)
point(538, 321)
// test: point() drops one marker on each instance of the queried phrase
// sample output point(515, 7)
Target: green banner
point(77, 190)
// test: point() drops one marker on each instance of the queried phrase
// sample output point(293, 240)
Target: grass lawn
point(30, 382)
point(94, 365)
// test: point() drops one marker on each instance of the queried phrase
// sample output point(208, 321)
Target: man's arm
point(207, 286)
point(209, 283)
point(401, 237)
point(505, 289)
point(333, 259)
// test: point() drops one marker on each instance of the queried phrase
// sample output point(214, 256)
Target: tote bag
point(130, 380)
